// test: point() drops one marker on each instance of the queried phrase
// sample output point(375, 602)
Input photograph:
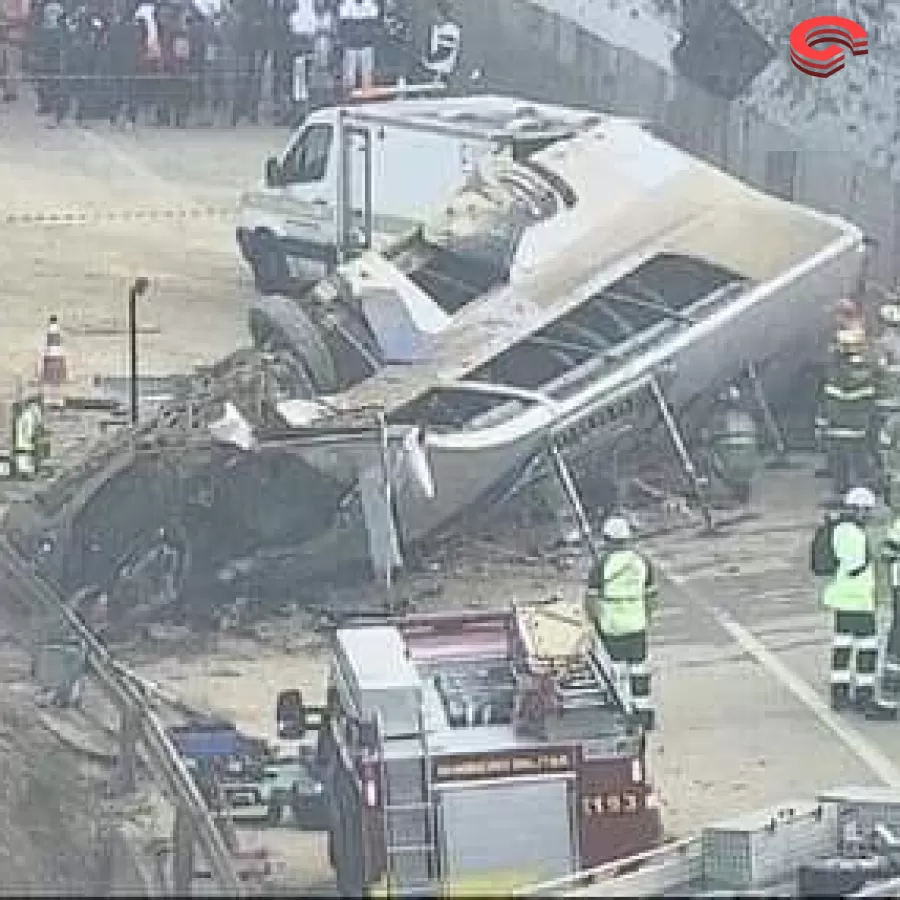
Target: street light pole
point(137, 289)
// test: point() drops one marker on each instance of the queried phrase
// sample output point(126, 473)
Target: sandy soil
point(81, 272)
point(193, 312)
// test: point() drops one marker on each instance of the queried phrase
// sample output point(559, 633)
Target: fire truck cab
point(477, 751)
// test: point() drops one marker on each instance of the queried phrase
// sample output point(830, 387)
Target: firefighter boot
point(840, 697)
point(886, 705)
point(891, 677)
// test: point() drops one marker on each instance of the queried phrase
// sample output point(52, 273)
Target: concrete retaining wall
point(531, 51)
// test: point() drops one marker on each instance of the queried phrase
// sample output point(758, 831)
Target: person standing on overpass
point(359, 27)
point(621, 586)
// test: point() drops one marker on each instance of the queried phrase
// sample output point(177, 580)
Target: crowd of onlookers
point(177, 62)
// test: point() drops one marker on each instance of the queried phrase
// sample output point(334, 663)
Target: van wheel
point(275, 813)
point(270, 269)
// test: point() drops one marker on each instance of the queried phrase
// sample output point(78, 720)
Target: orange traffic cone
point(54, 372)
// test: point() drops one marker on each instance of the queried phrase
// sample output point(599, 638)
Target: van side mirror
point(290, 715)
point(273, 172)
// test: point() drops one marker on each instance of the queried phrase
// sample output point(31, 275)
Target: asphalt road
point(742, 649)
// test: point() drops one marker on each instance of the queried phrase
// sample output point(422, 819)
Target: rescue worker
point(734, 444)
point(851, 595)
point(621, 586)
point(847, 411)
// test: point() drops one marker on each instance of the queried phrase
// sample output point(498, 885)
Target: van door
point(358, 215)
point(308, 172)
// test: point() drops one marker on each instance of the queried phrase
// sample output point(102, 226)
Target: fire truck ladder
point(410, 829)
point(583, 676)
point(584, 685)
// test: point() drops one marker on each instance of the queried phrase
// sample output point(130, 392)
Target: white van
point(402, 159)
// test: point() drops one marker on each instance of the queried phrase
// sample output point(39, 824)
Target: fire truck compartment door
point(521, 832)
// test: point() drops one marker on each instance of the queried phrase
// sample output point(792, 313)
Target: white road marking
point(862, 748)
point(854, 741)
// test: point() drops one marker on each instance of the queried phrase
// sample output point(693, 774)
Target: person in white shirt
point(360, 21)
point(303, 29)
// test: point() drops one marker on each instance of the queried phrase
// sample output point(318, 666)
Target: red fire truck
point(478, 751)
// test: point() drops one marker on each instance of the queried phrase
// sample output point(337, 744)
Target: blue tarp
point(207, 741)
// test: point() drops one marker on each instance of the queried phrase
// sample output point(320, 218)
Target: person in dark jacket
point(49, 39)
point(125, 48)
point(176, 66)
point(78, 66)
point(197, 30)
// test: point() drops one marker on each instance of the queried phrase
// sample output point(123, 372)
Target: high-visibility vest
point(852, 589)
point(847, 404)
point(735, 426)
point(617, 593)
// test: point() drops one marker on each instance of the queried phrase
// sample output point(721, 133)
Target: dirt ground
point(49, 801)
point(81, 272)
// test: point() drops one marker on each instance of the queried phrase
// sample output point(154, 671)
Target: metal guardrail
point(880, 889)
point(657, 870)
point(130, 697)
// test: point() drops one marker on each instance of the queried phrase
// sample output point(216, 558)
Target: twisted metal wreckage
point(566, 298)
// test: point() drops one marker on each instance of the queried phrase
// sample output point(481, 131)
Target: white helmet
point(616, 528)
point(889, 313)
point(859, 498)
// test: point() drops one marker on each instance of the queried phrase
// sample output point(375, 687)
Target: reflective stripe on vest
point(351, 10)
point(847, 592)
point(738, 427)
point(849, 395)
point(622, 600)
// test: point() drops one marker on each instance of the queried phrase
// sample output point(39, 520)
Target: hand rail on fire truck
point(679, 862)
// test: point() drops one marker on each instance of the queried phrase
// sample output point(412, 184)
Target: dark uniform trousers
point(854, 658)
point(629, 654)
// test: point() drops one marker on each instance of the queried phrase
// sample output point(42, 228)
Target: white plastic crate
point(763, 848)
point(869, 806)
